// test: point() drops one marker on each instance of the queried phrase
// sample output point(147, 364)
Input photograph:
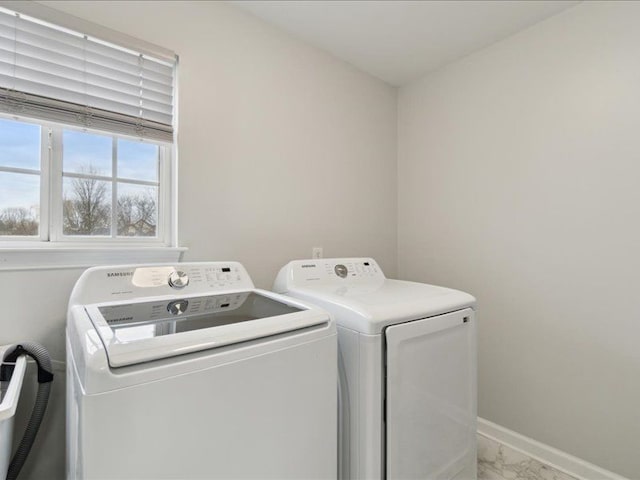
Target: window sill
point(49, 257)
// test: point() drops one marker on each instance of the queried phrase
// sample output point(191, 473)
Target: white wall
point(518, 182)
point(282, 147)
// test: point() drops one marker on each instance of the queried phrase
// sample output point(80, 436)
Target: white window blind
point(51, 73)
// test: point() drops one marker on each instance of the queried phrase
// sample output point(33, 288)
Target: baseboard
point(545, 454)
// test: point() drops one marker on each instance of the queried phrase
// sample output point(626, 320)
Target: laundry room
point(319, 239)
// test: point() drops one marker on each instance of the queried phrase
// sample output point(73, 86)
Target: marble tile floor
point(499, 462)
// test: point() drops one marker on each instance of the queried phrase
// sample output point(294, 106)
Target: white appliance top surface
point(362, 298)
point(148, 312)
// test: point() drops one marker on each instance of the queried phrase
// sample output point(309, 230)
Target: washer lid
point(140, 331)
point(368, 308)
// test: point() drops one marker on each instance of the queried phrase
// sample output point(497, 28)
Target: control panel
point(103, 284)
point(137, 313)
point(329, 271)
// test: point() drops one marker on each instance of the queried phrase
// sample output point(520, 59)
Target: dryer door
point(431, 398)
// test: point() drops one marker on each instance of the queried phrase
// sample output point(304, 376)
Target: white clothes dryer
point(407, 367)
point(188, 371)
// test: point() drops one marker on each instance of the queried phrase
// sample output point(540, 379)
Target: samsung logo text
point(119, 274)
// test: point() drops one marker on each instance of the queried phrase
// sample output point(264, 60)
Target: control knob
point(177, 307)
point(341, 271)
point(178, 279)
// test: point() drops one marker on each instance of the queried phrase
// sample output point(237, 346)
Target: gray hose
point(45, 377)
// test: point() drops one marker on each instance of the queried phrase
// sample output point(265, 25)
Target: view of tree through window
point(93, 165)
point(110, 185)
point(87, 209)
point(18, 221)
point(86, 206)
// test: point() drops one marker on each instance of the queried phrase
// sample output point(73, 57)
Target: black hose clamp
point(6, 369)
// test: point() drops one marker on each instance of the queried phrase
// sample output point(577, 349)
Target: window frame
point(51, 189)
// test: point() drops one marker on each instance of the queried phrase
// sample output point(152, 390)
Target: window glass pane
point(86, 206)
point(19, 204)
point(138, 160)
point(137, 210)
point(19, 144)
point(87, 153)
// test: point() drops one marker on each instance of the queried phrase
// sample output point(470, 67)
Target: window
point(102, 186)
point(86, 137)
point(89, 185)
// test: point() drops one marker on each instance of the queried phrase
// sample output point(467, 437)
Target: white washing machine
point(188, 371)
point(407, 366)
